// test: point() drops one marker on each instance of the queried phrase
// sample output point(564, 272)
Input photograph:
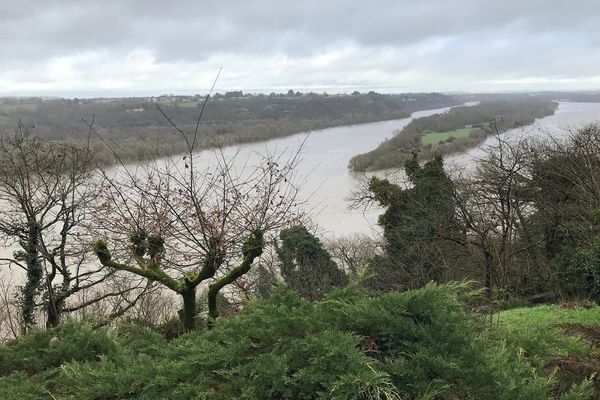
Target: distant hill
point(133, 124)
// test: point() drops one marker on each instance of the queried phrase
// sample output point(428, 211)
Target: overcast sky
point(127, 47)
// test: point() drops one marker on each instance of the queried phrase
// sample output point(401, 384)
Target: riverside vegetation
point(443, 306)
point(459, 129)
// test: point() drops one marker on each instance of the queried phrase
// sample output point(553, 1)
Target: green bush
point(34, 353)
point(139, 339)
point(419, 344)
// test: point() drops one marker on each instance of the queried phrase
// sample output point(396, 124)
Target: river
point(326, 154)
point(568, 116)
point(324, 165)
point(329, 182)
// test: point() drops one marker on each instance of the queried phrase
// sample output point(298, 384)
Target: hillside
point(134, 124)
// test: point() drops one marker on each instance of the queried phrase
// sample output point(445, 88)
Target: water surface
point(326, 154)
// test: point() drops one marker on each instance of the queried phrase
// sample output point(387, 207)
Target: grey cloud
point(453, 40)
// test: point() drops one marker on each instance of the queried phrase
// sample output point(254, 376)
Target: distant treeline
point(576, 97)
point(136, 125)
point(395, 151)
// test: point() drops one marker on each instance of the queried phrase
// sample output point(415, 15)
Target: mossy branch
point(153, 274)
point(252, 248)
point(214, 259)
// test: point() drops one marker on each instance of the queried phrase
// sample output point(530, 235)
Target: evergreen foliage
point(579, 270)
point(419, 344)
point(77, 341)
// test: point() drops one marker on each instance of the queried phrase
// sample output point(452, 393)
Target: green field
point(188, 104)
point(436, 137)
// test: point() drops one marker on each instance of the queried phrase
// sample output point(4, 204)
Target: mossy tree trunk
point(252, 249)
point(34, 274)
point(187, 314)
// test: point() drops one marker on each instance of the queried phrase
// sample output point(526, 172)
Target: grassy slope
point(15, 108)
point(394, 152)
point(537, 328)
point(188, 104)
point(537, 334)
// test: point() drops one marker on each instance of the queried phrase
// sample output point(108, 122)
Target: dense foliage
point(565, 177)
point(419, 344)
point(561, 338)
point(524, 222)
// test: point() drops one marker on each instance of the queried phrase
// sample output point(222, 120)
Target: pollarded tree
point(306, 266)
point(182, 223)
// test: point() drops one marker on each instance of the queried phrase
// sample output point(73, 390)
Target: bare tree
point(10, 319)
point(46, 193)
point(177, 223)
point(353, 253)
point(566, 176)
point(495, 203)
